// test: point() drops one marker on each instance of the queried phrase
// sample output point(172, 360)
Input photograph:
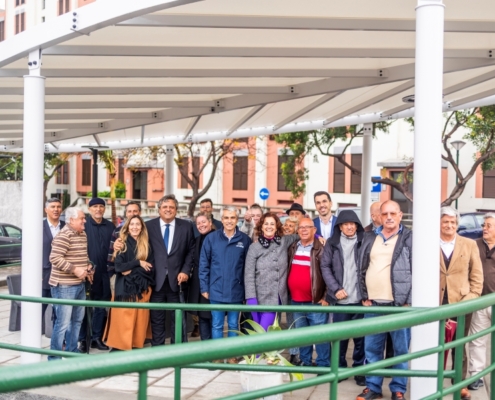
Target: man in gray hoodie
point(340, 272)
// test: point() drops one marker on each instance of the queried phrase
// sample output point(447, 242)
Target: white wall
point(11, 204)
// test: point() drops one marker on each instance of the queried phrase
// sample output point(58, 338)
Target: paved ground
point(196, 384)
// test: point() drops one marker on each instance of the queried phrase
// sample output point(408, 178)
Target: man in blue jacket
point(221, 271)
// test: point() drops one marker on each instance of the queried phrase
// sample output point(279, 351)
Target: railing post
point(178, 339)
point(441, 358)
point(143, 385)
point(492, 357)
point(459, 353)
point(334, 367)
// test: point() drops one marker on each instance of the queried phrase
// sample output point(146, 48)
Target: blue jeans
point(358, 354)
point(303, 319)
point(374, 347)
point(218, 318)
point(69, 318)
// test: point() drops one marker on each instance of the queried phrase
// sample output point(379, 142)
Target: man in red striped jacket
point(307, 288)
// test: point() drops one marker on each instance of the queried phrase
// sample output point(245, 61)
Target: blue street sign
point(376, 187)
point(264, 194)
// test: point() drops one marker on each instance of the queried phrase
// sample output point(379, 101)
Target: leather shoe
point(83, 347)
point(98, 344)
point(476, 385)
point(195, 332)
point(360, 380)
point(294, 360)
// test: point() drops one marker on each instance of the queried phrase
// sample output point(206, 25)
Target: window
point(121, 173)
point(20, 22)
point(86, 172)
point(184, 170)
point(281, 187)
point(240, 173)
point(63, 6)
point(338, 176)
point(468, 222)
point(2, 31)
point(489, 184)
point(356, 162)
point(63, 174)
point(12, 232)
point(43, 4)
point(19, 2)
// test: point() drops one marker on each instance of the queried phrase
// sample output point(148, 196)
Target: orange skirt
point(128, 328)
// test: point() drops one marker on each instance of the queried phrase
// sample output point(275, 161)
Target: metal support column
point(366, 174)
point(169, 169)
point(94, 178)
point(427, 169)
point(32, 209)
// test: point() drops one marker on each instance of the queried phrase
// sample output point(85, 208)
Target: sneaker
point(398, 396)
point(476, 384)
point(465, 395)
point(195, 332)
point(294, 359)
point(368, 394)
point(360, 380)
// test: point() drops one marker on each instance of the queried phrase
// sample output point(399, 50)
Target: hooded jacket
point(332, 262)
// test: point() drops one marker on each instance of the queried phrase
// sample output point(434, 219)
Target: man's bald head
point(391, 216)
point(375, 213)
point(375, 207)
point(390, 203)
point(306, 230)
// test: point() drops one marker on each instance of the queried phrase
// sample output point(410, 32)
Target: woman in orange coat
point(127, 327)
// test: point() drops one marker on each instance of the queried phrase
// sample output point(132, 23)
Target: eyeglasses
point(305, 227)
point(489, 226)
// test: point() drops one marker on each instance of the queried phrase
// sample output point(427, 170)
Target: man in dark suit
point(325, 222)
point(51, 227)
point(172, 241)
point(206, 205)
point(375, 217)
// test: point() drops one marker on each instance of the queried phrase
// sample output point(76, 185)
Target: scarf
point(265, 242)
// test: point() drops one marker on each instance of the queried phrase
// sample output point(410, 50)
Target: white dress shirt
point(447, 247)
point(55, 230)
point(171, 233)
point(326, 229)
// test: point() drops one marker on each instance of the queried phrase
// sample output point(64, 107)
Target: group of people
point(311, 262)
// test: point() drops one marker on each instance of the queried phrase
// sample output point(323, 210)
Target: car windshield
point(479, 218)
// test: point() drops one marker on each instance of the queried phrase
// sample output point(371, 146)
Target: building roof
point(156, 72)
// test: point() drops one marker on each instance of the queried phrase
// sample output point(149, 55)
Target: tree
point(52, 164)
point(107, 157)
point(300, 144)
point(212, 153)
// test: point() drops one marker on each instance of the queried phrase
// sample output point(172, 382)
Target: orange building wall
point(81, 3)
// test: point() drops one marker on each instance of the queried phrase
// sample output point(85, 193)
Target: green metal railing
point(197, 354)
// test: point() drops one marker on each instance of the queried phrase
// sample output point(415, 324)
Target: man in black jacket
point(99, 232)
point(172, 241)
point(340, 272)
point(51, 227)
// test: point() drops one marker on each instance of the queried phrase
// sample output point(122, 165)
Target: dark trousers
point(98, 322)
point(358, 353)
point(205, 328)
point(158, 334)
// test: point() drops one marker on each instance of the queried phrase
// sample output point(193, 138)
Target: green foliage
point(11, 167)
point(299, 144)
point(120, 190)
point(270, 357)
point(482, 134)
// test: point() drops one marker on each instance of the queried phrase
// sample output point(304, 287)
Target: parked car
point(470, 225)
point(10, 242)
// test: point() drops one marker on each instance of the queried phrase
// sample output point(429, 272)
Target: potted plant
point(253, 380)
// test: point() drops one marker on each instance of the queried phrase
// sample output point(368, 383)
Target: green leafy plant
point(274, 357)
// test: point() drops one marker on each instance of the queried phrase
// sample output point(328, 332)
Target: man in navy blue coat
point(51, 227)
point(221, 271)
point(325, 221)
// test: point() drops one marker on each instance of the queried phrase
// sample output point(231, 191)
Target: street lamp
point(94, 150)
point(457, 145)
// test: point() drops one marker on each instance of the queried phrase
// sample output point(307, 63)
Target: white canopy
point(202, 70)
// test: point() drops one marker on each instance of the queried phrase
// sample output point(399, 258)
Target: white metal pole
point(366, 174)
point(169, 169)
point(32, 210)
point(427, 182)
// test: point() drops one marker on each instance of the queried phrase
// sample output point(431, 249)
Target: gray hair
point(231, 209)
point(489, 215)
point(72, 213)
point(167, 198)
point(451, 212)
point(52, 200)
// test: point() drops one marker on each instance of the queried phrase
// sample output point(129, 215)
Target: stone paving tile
point(190, 378)
point(122, 383)
point(216, 390)
point(168, 392)
point(228, 377)
point(160, 373)
point(90, 382)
